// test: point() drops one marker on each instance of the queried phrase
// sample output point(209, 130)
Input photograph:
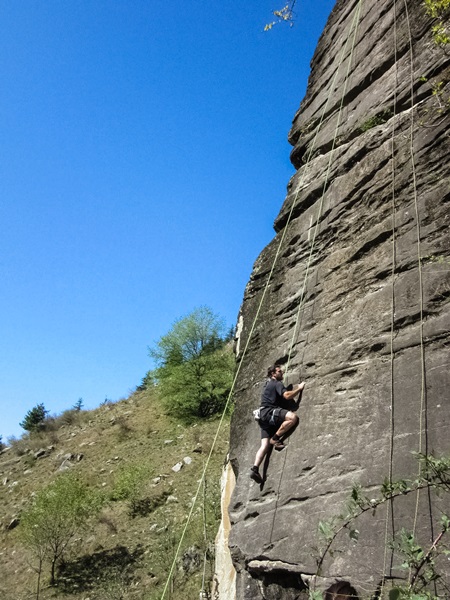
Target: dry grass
point(128, 552)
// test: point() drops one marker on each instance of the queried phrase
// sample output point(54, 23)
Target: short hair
point(271, 370)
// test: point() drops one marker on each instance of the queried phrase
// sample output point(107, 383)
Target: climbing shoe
point(277, 444)
point(254, 474)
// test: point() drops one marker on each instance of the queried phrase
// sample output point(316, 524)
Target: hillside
point(123, 555)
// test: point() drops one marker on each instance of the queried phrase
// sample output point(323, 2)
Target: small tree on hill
point(195, 364)
point(34, 418)
point(57, 514)
point(78, 405)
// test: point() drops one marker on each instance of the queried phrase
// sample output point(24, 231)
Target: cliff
point(352, 296)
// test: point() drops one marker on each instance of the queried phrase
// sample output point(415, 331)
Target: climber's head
point(275, 372)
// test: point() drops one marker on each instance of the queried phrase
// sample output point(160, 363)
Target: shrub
point(19, 446)
point(129, 484)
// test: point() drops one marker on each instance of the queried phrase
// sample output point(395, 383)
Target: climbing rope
point(303, 288)
point(205, 541)
point(327, 175)
point(249, 337)
point(419, 258)
point(389, 504)
point(354, 25)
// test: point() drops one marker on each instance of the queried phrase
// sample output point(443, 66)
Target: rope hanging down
point(309, 261)
point(252, 328)
point(389, 504)
point(419, 259)
point(354, 26)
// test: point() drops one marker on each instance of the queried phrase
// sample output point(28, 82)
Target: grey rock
point(65, 465)
point(192, 559)
point(351, 308)
point(176, 468)
point(13, 523)
point(187, 460)
point(41, 453)
point(171, 500)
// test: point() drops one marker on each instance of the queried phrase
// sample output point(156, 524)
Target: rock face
point(352, 296)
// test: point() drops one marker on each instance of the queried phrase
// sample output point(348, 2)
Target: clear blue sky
point(144, 157)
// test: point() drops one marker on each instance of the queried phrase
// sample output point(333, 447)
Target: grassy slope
point(120, 556)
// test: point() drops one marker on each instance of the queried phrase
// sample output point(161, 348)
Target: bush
point(19, 446)
point(129, 484)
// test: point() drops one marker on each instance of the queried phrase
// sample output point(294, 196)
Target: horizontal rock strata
point(352, 295)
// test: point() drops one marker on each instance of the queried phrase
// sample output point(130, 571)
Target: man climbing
point(276, 422)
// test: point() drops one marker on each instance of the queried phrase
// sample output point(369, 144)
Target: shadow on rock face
point(341, 590)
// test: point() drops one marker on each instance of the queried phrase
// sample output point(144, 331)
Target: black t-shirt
point(272, 394)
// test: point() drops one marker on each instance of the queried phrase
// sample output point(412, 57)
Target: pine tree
point(34, 418)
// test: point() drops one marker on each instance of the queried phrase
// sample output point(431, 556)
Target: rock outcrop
point(352, 296)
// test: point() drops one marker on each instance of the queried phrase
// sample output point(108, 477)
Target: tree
point(78, 405)
point(58, 512)
point(195, 364)
point(34, 418)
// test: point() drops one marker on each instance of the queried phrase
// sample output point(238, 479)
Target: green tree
point(34, 418)
point(78, 405)
point(195, 364)
point(56, 515)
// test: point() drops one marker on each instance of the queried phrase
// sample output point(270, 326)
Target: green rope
point(354, 25)
point(389, 504)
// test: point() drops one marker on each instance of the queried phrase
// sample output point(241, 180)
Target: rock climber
point(276, 422)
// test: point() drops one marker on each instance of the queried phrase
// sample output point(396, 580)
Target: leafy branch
point(435, 473)
point(284, 15)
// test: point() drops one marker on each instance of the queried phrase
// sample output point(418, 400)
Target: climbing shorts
point(271, 419)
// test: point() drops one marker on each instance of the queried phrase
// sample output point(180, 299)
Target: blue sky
point(144, 158)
